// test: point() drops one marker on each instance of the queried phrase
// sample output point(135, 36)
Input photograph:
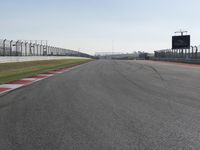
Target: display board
point(181, 42)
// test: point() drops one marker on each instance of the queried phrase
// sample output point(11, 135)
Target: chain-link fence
point(23, 48)
point(191, 55)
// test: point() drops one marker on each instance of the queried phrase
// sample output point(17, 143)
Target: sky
point(100, 25)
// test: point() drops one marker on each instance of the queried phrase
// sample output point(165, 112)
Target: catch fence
point(24, 48)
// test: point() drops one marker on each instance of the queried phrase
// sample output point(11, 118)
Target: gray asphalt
point(106, 105)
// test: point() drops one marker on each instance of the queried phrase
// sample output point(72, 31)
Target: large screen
point(181, 42)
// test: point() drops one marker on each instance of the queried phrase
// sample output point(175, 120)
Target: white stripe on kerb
point(30, 79)
point(11, 86)
point(48, 75)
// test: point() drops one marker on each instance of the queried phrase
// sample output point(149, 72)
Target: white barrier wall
point(35, 58)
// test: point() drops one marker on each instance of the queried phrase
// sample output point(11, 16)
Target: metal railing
point(24, 48)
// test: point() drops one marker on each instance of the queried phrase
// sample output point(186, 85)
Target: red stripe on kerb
point(39, 77)
point(20, 82)
point(4, 89)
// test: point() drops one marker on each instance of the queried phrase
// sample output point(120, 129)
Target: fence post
point(192, 51)
point(11, 47)
point(196, 51)
point(40, 50)
point(34, 53)
point(50, 50)
point(30, 46)
point(26, 48)
point(4, 47)
point(189, 52)
point(21, 48)
point(181, 53)
point(185, 53)
point(47, 50)
point(16, 54)
point(37, 48)
point(172, 53)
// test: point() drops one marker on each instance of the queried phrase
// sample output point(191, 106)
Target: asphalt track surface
point(106, 105)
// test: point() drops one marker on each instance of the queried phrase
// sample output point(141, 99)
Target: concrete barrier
point(35, 58)
point(182, 60)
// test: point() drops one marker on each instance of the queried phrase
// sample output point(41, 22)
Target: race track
point(106, 105)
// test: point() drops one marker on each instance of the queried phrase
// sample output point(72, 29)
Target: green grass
point(14, 71)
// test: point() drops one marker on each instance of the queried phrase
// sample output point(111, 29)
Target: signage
point(181, 42)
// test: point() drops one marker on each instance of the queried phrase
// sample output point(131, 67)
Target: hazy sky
point(91, 25)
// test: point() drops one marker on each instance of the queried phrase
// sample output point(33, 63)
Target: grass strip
point(18, 70)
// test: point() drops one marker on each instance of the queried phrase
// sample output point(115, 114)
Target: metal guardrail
point(23, 48)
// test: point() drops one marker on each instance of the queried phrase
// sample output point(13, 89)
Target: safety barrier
point(24, 48)
point(191, 55)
